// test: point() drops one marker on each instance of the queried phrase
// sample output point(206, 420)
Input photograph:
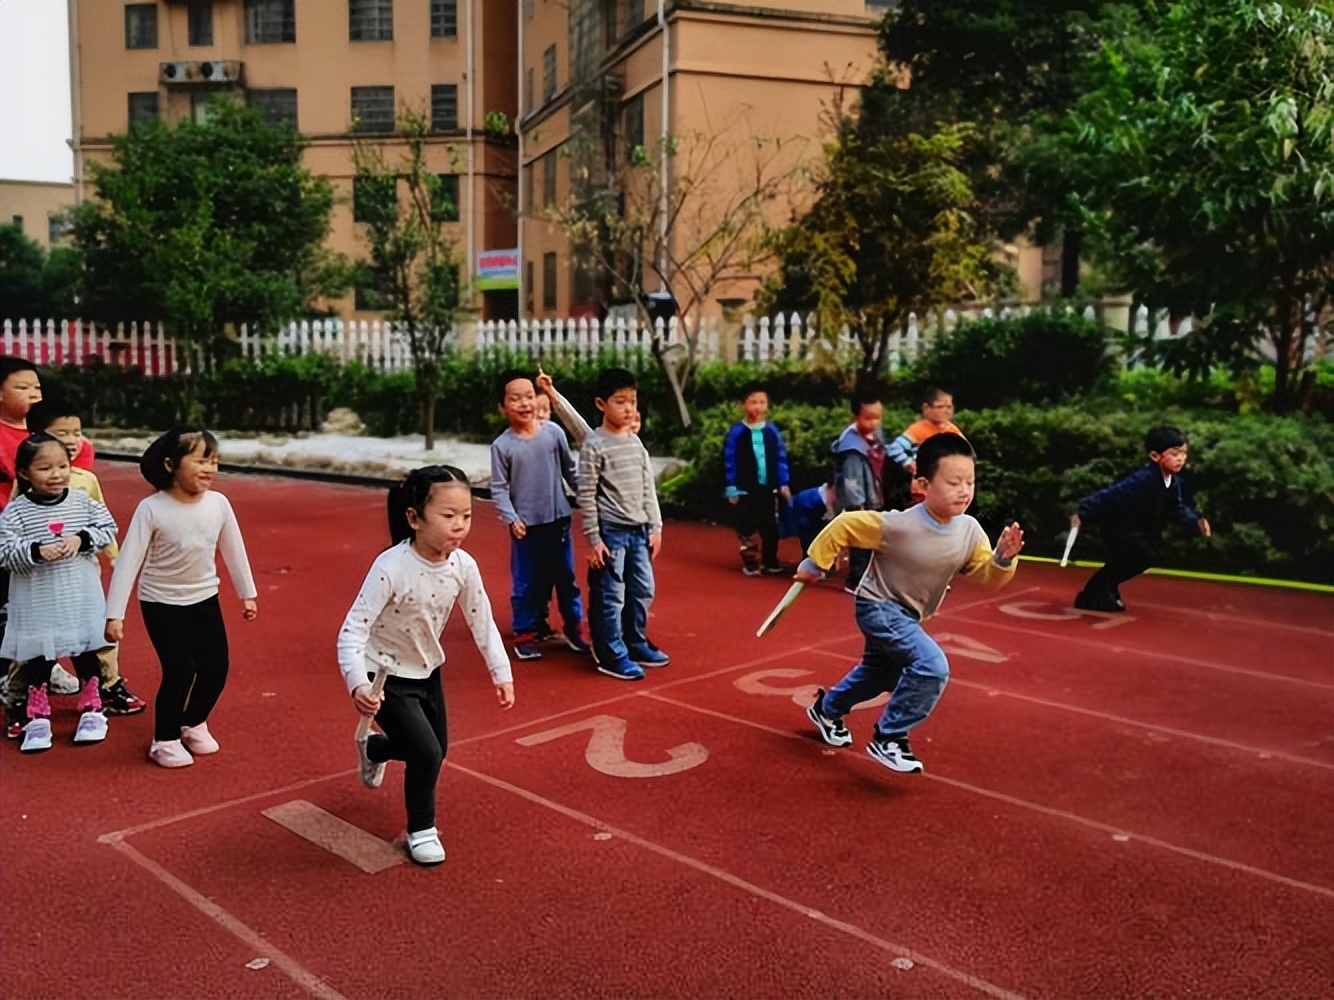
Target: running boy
point(755, 460)
point(859, 472)
point(1132, 512)
point(916, 553)
point(623, 525)
point(528, 463)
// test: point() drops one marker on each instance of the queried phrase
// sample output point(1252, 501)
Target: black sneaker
point(545, 633)
point(1105, 603)
point(832, 731)
point(895, 753)
point(118, 700)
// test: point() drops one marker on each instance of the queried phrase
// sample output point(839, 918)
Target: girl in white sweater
point(394, 625)
point(173, 539)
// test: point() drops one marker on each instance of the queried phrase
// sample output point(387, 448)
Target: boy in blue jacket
point(859, 473)
point(755, 463)
point(1132, 513)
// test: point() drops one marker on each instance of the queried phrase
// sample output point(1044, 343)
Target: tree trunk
point(669, 372)
point(428, 421)
point(1072, 247)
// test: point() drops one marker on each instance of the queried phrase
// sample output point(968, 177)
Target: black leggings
point(1129, 553)
point(412, 716)
point(191, 643)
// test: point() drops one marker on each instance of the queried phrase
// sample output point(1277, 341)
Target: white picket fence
point(382, 346)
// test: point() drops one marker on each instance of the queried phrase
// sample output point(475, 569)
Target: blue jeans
point(900, 657)
point(619, 595)
point(542, 559)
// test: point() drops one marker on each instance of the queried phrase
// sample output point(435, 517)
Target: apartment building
point(337, 70)
point(38, 208)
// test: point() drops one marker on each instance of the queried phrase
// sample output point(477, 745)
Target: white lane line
point(323, 829)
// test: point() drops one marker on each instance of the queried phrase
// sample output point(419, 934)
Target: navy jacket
point(1140, 502)
point(739, 459)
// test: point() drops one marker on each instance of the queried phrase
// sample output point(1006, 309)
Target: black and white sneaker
point(895, 752)
point(832, 731)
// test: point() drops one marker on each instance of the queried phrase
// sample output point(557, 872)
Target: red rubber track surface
point(1130, 806)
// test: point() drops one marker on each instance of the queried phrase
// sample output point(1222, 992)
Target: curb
point(1190, 574)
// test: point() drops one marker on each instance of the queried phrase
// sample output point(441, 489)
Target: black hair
point(860, 400)
point(10, 364)
point(168, 450)
point(1163, 437)
point(42, 415)
point(750, 388)
point(27, 451)
point(932, 393)
point(512, 375)
point(940, 446)
point(413, 492)
point(613, 380)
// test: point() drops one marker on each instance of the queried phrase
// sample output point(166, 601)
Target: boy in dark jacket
point(755, 463)
point(1132, 513)
point(859, 473)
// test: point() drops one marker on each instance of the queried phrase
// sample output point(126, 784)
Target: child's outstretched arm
point(575, 425)
point(860, 529)
point(482, 623)
point(995, 568)
point(902, 451)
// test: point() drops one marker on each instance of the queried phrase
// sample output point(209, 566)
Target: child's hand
point(53, 551)
point(367, 704)
point(808, 571)
point(734, 500)
point(1010, 542)
point(654, 544)
point(1074, 521)
point(1205, 530)
point(518, 529)
point(911, 469)
point(599, 556)
point(543, 382)
point(786, 493)
point(505, 692)
point(249, 609)
point(115, 630)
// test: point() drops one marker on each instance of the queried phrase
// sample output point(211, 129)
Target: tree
point(206, 225)
point(1204, 143)
point(22, 262)
point(414, 264)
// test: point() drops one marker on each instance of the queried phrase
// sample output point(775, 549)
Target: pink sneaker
point(39, 705)
point(169, 753)
point(90, 696)
point(198, 740)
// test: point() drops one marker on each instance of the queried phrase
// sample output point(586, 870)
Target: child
point(1132, 513)
point(173, 538)
point(49, 537)
point(916, 553)
point(859, 473)
point(937, 411)
point(755, 463)
point(623, 525)
point(395, 624)
point(808, 513)
point(529, 461)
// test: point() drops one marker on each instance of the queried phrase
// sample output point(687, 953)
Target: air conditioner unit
point(220, 71)
point(177, 72)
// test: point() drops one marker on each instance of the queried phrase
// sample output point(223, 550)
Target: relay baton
point(1069, 544)
point(793, 592)
point(364, 724)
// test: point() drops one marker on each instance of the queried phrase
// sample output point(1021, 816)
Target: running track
point(1112, 807)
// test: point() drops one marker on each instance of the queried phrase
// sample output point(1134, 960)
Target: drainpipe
point(75, 106)
point(664, 167)
point(469, 226)
point(518, 132)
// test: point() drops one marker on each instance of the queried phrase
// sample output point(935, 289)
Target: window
point(370, 294)
point(370, 20)
point(632, 124)
point(527, 10)
point(374, 199)
point(549, 179)
point(549, 73)
point(444, 18)
point(16, 220)
point(445, 202)
point(879, 7)
point(199, 107)
point(199, 22)
point(277, 105)
point(548, 281)
point(634, 14)
point(143, 107)
point(444, 107)
point(141, 25)
point(528, 186)
point(270, 21)
point(372, 109)
point(58, 226)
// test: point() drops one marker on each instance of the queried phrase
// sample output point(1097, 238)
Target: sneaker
point(576, 642)
point(544, 633)
point(90, 697)
point(751, 570)
point(92, 728)
point(1098, 602)
point(895, 753)
point(525, 648)
point(623, 670)
point(169, 753)
point(832, 731)
point(198, 740)
point(650, 656)
point(16, 716)
point(118, 700)
point(63, 682)
point(773, 571)
point(36, 736)
point(424, 847)
point(372, 772)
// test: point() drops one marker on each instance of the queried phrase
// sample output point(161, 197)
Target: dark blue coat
point(1140, 502)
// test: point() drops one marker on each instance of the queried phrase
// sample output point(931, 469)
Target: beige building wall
point(32, 205)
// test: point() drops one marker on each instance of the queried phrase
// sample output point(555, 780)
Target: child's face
point(17, 394)
point(868, 419)
point(194, 475)
point(940, 410)
point(444, 521)
point(635, 423)
point(1171, 461)
point(520, 402)
point(620, 409)
point(69, 432)
point(949, 492)
point(756, 406)
point(541, 407)
point(49, 471)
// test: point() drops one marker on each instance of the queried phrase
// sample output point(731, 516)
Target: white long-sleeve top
point(396, 620)
point(175, 544)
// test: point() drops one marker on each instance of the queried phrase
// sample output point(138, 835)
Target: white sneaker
point(62, 681)
point(424, 847)
point(372, 772)
point(169, 753)
point(198, 740)
point(37, 736)
point(92, 728)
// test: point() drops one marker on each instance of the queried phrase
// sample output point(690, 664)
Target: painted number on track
point(606, 749)
point(1044, 611)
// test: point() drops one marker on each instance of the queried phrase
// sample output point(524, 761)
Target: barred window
point(444, 107)
point(199, 22)
point(143, 107)
point(445, 202)
point(374, 199)
point(372, 109)
point(270, 21)
point(549, 73)
point(444, 18)
point(276, 104)
point(141, 25)
point(370, 20)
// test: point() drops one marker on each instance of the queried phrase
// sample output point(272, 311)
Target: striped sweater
point(616, 485)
